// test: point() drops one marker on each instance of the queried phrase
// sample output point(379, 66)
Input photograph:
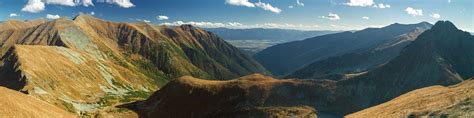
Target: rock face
point(88, 65)
point(452, 101)
point(16, 104)
point(249, 96)
point(353, 64)
point(285, 58)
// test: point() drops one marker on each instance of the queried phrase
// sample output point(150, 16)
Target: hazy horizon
point(335, 15)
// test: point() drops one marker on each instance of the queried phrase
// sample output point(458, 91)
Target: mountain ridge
point(285, 58)
point(88, 65)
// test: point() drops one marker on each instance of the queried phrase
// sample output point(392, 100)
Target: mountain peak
point(84, 16)
point(424, 25)
point(188, 27)
point(444, 26)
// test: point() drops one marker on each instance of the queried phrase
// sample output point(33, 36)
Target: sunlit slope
point(16, 104)
point(452, 101)
point(16, 24)
point(88, 65)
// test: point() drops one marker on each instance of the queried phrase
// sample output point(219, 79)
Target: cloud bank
point(331, 16)
point(414, 12)
point(36, 6)
point(259, 4)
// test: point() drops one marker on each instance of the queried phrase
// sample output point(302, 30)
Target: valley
point(254, 40)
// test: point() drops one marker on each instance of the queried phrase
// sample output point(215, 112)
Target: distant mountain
point(16, 24)
point(87, 64)
point(452, 101)
point(257, 39)
point(285, 58)
point(356, 63)
point(439, 56)
point(265, 34)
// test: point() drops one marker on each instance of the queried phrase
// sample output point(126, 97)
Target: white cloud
point(92, 13)
point(360, 3)
point(14, 15)
point(435, 15)
point(268, 7)
point(381, 6)
point(414, 12)
point(162, 17)
point(367, 3)
point(365, 18)
point(50, 16)
point(449, 1)
point(146, 21)
point(237, 25)
point(33, 6)
point(62, 2)
point(331, 16)
point(246, 3)
point(299, 3)
point(199, 24)
point(240, 3)
point(121, 3)
point(87, 3)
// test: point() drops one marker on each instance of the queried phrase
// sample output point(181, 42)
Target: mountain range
point(265, 34)
point(440, 56)
point(254, 40)
point(88, 65)
point(358, 62)
point(283, 59)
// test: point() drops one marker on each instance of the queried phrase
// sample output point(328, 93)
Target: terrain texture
point(88, 65)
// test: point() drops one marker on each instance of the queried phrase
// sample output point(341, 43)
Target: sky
point(285, 14)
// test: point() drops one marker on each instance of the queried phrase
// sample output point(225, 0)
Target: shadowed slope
point(253, 95)
point(285, 58)
point(191, 50)
point(353, 64)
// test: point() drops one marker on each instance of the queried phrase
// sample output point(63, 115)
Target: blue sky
point(287, 14)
